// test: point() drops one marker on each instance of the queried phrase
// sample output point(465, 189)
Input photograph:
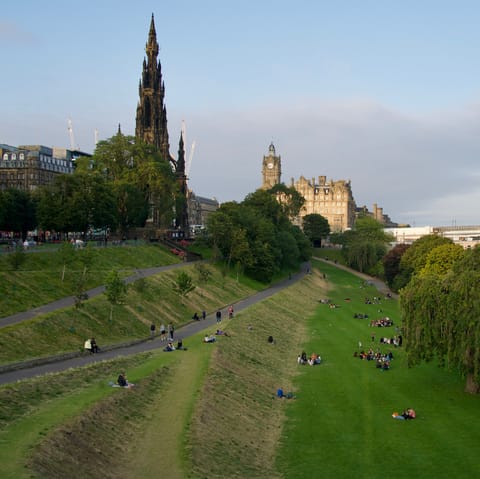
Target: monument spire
point(151, 120)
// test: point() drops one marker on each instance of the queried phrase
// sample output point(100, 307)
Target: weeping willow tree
point(441, 317)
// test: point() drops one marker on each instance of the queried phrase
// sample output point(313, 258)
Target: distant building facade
point(199, 208)
point(377, 214)
point(31, 166)
point(331, 199)
point(466, 236)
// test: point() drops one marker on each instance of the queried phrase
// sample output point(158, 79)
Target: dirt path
point(159, 451)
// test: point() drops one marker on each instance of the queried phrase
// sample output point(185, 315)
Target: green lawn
point(339, 425)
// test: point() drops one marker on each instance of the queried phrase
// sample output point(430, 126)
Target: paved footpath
point(61, 363)
point(70, 300)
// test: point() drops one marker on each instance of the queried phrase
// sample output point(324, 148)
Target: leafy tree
point(391, 263)
point(17, 212)
point(183, 285)
point(316, 228)
point(257, 236)
point(303, 244)
point(129, 160)
point(115, 290)
point(415, 257)
point(365, 245)
point(289, 249)
point(441, 317)
point(291, 201)
point(441, 259)
point(80, 293)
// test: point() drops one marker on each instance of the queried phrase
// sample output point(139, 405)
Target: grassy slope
point(98, 433)
point(31, 410)
point(238, 421)
point(341, 425)
point(39, 280)
point(66, 330)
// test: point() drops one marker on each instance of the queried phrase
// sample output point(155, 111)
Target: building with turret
point(331, 199)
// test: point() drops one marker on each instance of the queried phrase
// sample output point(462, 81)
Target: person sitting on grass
point(302, 358)
point(221, 332)
point(93, 343)
point(88, 345)
point(282, 395)
point(314, 359)
point(123, 382)
point(209, 339)
point(169, 347)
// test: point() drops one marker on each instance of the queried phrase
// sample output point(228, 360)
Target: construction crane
point(96, 136)
point(192, 149)
point(189, 161)
point(72, 137)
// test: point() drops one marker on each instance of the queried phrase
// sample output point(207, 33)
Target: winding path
point(29, 369)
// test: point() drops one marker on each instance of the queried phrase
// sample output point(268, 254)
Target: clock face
point(270, 166)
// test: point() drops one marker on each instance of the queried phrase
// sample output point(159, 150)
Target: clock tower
point(271, 168)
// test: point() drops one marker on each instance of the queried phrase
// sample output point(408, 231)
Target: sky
point(383, 93)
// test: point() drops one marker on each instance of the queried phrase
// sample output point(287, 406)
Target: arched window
point(14, 156)
point(5, 156)
point(22, 156)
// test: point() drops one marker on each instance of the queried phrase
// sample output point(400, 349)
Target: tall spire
point(151, 48)
point(151, 121)
point(181, 210)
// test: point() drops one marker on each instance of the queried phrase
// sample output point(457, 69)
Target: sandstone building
point(331, 199)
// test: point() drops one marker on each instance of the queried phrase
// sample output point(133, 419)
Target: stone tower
point(181, 207)
point(271, 168)
point(151, 121)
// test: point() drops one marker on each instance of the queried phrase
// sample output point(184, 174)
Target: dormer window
point(22, 156)
point(5, 156)
point(14, 156)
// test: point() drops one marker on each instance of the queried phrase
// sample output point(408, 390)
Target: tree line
point(117, 188)
point(438, 282)
point(440, 303)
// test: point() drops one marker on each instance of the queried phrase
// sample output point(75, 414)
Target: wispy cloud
point(420, 169)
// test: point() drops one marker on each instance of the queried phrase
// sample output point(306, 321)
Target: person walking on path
point(204, 315)
point(163, 332)
point(230, 311)
point(218, 315)
point(152, 330)
point(171, 330)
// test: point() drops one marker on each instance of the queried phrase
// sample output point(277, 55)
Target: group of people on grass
point(170, 347)
point(406, 414)
point(313, 360)
point(384, 322)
